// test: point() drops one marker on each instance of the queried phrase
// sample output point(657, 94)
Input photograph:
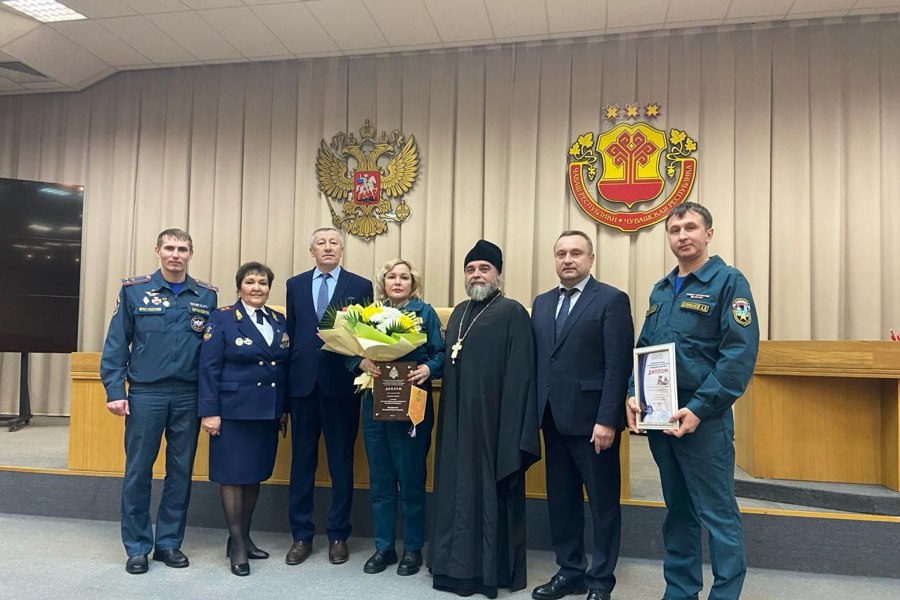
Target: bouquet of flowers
point(377, 332)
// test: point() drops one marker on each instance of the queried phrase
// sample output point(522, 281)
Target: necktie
point(260, 316)
point(564, 309)
point(322, 298)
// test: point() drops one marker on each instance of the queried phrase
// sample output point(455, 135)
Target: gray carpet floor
point(52, 558)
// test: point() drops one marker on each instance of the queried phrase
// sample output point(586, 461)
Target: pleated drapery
point(799, 161)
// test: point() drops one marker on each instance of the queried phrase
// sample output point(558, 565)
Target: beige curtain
point(799, 146)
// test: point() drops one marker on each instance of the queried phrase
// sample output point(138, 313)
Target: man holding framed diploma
point(695, 355)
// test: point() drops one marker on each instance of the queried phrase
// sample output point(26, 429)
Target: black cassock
point(487, 437)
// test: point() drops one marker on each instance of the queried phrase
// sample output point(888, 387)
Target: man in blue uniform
point(153, 342)
point(705, 307)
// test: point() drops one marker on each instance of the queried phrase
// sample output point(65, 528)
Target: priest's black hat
point(485, 250)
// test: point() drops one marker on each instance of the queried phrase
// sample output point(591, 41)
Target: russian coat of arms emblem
point(366, 176)
point(638, 167)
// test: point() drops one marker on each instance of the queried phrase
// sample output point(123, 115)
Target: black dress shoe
point(598, 594)
point(410, 563)
point(559, 586)
point(252, 550)
point(137, 564)
point(299, 552)
point(379, 561)
point(337, 552)
point(174, 558)
point(240, 569)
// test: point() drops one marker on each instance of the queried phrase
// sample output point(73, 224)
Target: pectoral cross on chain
point(456, 348)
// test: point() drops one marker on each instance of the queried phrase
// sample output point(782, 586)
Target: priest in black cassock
point(487, 437)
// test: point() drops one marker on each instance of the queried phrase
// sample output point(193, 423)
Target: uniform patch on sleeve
point(740, 309)
point(695, 306)
point(652, 310)
point(208, 333)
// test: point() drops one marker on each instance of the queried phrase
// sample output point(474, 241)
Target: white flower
point(387, 314)
point(385, 319)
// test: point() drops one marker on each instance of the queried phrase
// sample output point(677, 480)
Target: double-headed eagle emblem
point(385, 168)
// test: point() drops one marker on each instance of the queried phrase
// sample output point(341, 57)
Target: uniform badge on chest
point(198, 323)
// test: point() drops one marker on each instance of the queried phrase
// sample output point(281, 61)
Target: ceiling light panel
point(46, 11)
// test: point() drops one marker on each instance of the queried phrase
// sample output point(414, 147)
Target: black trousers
point(572, 466)
point(338, 420)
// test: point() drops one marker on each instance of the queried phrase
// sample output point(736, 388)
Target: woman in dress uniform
point(241, 402)
point(396, 457)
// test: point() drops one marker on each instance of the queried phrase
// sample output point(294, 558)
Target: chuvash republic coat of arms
point(382, 169)
point(629, 160)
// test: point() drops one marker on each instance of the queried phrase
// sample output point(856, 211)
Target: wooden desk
point(96, 440)
point(822, 411)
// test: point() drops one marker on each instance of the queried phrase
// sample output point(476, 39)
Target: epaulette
point(136, 279)
point(203, 284)
point(225, 308)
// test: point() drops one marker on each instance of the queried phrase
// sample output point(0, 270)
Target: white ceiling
point(140, 34)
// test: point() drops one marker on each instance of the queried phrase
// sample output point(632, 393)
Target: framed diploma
point(391, 392)
point(656, 386)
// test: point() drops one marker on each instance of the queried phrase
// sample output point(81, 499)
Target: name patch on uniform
point(150, 309)
point(652, 310)
point(198, 309)
point(695, 306)
point(740, 309)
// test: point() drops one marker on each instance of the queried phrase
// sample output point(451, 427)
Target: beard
point(480, 292)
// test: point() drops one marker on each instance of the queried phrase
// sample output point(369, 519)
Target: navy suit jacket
point(584, 374)
point(242, 380)
point(308, 364)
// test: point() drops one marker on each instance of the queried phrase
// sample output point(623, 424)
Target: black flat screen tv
point(40, 262)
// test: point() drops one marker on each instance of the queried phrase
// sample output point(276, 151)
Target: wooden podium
point(96, 439)
point(822, 411)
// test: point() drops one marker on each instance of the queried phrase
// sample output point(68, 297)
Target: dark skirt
point(243, 452)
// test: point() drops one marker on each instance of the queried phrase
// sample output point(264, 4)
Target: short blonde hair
point(381, 294)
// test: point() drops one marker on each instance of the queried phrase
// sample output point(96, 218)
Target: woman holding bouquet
point(241, 401)
point(396, 453)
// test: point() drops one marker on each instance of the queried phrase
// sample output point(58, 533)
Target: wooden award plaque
point(391, 392)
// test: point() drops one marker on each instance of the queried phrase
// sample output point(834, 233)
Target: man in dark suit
point(583, 336)
point(322, 398)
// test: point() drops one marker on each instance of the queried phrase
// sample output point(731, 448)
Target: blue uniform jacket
point(430, 353)
point(714, 326)
point(154, 336)
point(242, 377)
point(308, 364)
